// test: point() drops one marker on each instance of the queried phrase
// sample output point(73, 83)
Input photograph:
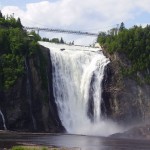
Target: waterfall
point(3, 118)
point(77, 76)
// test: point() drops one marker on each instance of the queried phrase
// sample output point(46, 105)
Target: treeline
point(135, 44)
point(57, 41)
point(15, 46)
point(9, 22)
point(54, 40)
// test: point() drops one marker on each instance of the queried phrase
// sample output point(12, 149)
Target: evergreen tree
point(19, 25)
point(61, 40)
point(1, 15)
point(122, 27)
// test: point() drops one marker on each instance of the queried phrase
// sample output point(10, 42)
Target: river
point(73, 141)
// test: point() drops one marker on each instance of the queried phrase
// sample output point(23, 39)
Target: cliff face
point(29, 105)
point(125, 100)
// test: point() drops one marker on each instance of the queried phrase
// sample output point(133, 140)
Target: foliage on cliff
point(15, 46)
point(134, 43)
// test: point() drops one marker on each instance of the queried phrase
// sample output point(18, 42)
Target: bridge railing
point(61, 31)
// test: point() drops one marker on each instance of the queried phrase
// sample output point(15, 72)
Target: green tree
point(19, 25)
point(61, 40)
point(15, 45)
point(55, 40)
point(122, 27)
point(4, 41)
point(12, 68)
point(1, 15)
point(17, 41)
point(36, 37)
point(135, 44)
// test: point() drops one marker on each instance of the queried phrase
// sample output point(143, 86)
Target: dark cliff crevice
point(105, 104)
point(52, 105)
point(29, 90)
point(90, 111)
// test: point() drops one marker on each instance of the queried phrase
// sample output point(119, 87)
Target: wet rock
point(140, 132)
point(124, 100)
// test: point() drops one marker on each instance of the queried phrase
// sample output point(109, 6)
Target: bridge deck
point(61, 31)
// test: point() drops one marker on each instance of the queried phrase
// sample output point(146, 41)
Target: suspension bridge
point(61, 31)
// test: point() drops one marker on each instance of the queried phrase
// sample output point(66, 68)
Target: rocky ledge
point(139, 132)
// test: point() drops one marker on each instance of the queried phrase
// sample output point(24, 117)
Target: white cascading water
point(75, 68)
point(4, 125)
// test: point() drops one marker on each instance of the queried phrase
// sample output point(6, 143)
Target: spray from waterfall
point(77, 77)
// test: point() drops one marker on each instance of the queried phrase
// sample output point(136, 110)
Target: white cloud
point(144, 5)
point(78, 14)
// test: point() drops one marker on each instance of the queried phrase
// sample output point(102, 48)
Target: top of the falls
point(70, 47)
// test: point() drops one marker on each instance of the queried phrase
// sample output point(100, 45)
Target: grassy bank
point(31, 148)
point(40, 148)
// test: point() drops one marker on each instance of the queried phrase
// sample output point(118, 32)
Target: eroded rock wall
point(28, 105)
point(125, 100)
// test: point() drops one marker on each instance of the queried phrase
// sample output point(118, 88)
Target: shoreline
point(7, 141)
point(8, 145)
point(131, 139)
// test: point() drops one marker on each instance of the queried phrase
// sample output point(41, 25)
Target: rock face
point(125, 100)
point(139, 132)
point(29, 105)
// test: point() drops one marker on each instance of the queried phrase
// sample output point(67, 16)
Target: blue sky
point(85, 15)
point(20, 3)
